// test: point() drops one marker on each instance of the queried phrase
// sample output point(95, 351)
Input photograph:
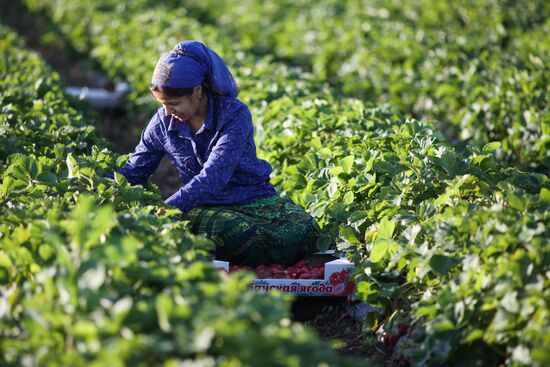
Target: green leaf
point(510, 302)
point(93, 278)
point(427, 311)
point(46, 252)
point(386, 228)
point(364, 289)
point(59, 150)
point(61, 250)
point(323, 242)
point(335, 171)
point(5, 260)
point(324, 153)
point(48, 177)
point(453, 164)
point(78, 227)
point(71, 165)
point(119, 178)
point(502, 320)
point(474, 335)
point(102, 223)
point(348, 234)
point(85, 329)
point(332, 189)
point(516, 201)
point(163, 304)
point(22, 167)
point(349, 197)
point(8, 185)
point(347, 163)
point(441, 263)
point(4, 276)
point(443, 325)
point(379, 250)
point(491, 147)
point(544, 194)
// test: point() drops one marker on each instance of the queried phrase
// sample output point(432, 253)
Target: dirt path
point(330, 318)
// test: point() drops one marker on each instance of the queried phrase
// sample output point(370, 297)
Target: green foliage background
point(91, 276)
point(404, 128)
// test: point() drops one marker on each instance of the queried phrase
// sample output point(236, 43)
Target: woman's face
point(182, 108)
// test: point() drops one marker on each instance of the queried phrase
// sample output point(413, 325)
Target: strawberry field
point(417, 134)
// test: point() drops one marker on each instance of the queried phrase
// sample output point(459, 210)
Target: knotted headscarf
point(190, 64)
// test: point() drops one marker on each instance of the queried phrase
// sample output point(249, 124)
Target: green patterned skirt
point(270, 230)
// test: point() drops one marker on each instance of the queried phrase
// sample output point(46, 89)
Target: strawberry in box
point(324, 278)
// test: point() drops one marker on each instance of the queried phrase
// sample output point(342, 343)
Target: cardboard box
point(326, 287)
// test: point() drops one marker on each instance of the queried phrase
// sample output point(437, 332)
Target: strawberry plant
point(449, 240)
point(93, 273)
point(475, 68)
point(417, 217)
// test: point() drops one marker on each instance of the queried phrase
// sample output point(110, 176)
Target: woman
point(208, 135)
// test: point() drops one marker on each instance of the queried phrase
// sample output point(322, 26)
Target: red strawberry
point(350, 287)
point(344, 274)
point(385, 339)
point(263, 272)
point(392, 339)
point(334, 278)
point(305, 276)
point(275, 267)
point(316, 274)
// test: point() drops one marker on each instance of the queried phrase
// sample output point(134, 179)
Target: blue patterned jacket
point(217, 166)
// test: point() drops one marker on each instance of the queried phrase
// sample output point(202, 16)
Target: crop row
point(453, 242)
point(90, 275)
point(477, 68)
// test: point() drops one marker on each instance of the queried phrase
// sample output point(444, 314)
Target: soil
point(330, 318)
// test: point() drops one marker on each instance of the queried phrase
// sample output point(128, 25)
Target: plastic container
point(100, 97)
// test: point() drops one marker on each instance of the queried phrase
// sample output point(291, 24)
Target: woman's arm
point(219, 167)
point(147, 154)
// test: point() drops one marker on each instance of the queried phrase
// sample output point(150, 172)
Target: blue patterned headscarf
point(190, 64)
